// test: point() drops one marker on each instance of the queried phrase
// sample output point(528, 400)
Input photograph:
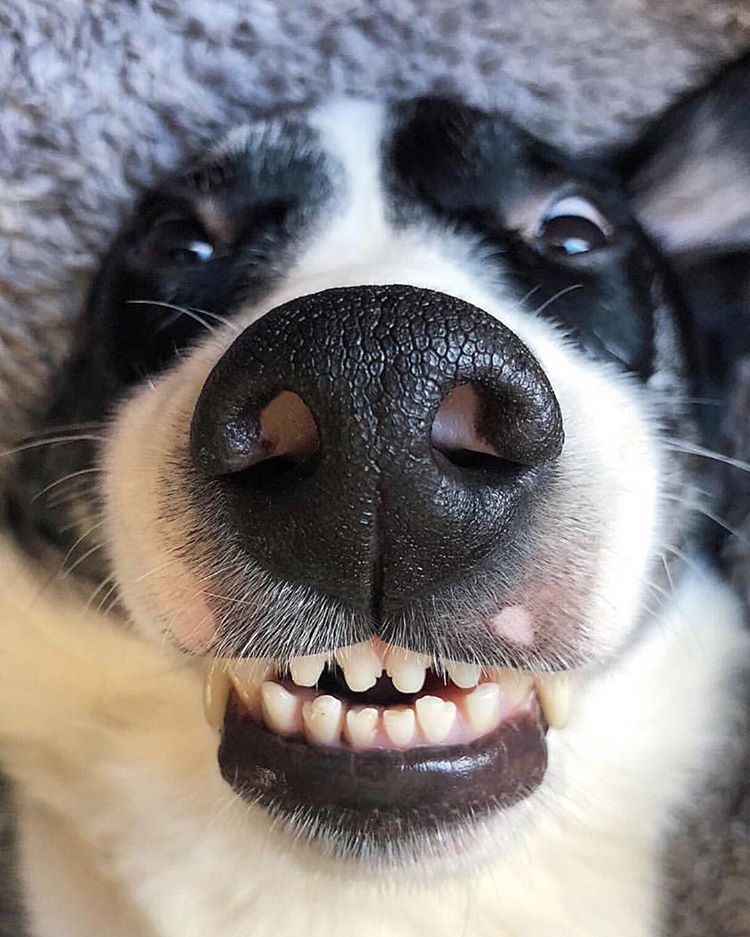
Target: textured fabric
point(96, 97)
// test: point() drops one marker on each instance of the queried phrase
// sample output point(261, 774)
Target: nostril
point(288, 432)
point(461, 432)
point(266, 443)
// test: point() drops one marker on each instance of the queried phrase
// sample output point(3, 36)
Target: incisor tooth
point(361, 726)
point(406, 669)
point(463, 675)
point(436, 717)
point(323, 718)
point(216, 692)
point(399, 725)
point(515, 684)
point(361, 665)
point(482, 707)
point(554, 695)
point(281, 709)
point(306, 671)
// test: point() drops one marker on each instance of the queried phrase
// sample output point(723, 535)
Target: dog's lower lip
point(413, 791)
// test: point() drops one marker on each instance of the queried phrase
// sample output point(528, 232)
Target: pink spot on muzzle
point(514, 624)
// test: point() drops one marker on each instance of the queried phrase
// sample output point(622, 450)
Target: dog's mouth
point(372, 746)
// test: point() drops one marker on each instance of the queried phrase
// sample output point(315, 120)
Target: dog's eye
point(572, 225)
point(178, 242)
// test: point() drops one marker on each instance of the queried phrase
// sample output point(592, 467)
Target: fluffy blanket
point(97, 97)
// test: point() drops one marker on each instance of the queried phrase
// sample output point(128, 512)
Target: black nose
point(374, 444)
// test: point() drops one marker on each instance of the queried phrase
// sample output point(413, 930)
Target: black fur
point(474, 171)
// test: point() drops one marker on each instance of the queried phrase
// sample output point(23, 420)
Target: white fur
point(127, 827)
point(105, 735)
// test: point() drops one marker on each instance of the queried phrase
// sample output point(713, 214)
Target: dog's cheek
point(149, 534)
point(612, 471)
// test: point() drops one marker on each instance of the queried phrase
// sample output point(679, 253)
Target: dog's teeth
point(361, 665)
point(482, 707)
point(216, 692)
point(554, 695)
point(281, 709)
point(463, 675)
point(361, 727)
point(436, 718)
point(515, 684)
point(247, 675)
point(406, 669)
point(323, 718)
point(306, 671)
point(400, 725)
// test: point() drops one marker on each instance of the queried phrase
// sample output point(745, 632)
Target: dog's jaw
point(118, 748)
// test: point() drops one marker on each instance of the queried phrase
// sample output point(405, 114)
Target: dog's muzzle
point(377, 447)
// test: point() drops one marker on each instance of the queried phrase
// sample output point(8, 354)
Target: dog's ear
point(688, 178)
point(689, 175)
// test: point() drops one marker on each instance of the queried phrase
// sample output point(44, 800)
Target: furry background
point(96, 97)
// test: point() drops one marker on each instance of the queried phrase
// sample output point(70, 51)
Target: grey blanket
point(97, 96)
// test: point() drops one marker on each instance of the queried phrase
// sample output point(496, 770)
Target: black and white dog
point(377, 434)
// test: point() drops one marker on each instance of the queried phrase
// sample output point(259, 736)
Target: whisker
point(65, 573)
point(111, 599)
point(667, 571)
point(60, 428)
point(55, 440)
point(689, 448)
point(190, 311)
point(697, 401)
point(700, 509)
point(102, 585)
point(687, 560)
point(553, 299)
point(78, 542)
point(60, 481)
point(524, 299)
point(156, 569)
point(75, 491)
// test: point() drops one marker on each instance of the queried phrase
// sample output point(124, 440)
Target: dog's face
point(382, 403)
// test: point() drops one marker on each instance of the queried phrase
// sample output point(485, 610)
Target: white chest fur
point(127, 828)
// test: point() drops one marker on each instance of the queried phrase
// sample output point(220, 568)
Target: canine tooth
point(361, 726)
point(361, 665)
point(436, 717)
point(406, 669)
point(482, 707)
point(216, 692)
point(306, 671)
point(463, 675)
point(281, 709)
point(323, 718)
point(515, 684)
point(554, 695)
point(399, 725)
point(246, 675)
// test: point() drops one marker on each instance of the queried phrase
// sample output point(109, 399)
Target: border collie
point(352, 581)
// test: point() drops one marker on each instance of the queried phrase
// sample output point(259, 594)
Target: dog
point(354, 578)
